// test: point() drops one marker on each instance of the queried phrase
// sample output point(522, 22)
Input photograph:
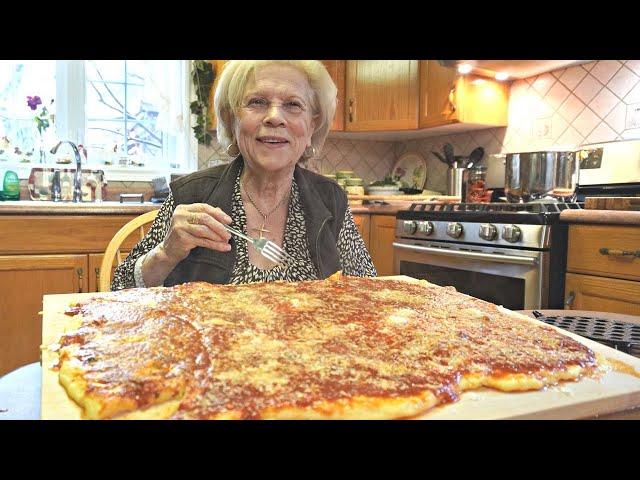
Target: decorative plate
point(410, 170)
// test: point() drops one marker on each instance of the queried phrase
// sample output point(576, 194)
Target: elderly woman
point(271, 115)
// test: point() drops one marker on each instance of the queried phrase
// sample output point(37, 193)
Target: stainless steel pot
point(539, 175)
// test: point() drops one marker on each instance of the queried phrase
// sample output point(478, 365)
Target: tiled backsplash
point(586, 103)
point(369, 160)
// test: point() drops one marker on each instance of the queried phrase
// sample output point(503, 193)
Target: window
point(131, 116)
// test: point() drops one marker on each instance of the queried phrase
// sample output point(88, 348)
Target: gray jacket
point(324, 205)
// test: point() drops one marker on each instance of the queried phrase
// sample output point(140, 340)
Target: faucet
point(77, 179)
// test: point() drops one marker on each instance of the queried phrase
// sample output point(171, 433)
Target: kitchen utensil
point(267, 248)
point(539, 175)
point(475, 157)
point(441, 158)
point(448, 153)
point(410, 170)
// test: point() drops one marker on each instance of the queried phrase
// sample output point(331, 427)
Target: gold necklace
point(262, 230)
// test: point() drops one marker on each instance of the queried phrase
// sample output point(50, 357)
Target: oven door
point(516, 279)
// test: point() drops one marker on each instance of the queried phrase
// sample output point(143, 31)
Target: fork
point(267, 248)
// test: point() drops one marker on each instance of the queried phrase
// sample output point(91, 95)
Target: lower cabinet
point(24, 279)
point(362, 222)
point(587, 292)
point(381, 237)
point(603, 269)
point(53, 254)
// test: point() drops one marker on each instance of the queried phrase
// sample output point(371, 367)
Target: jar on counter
point(354, 186)
point(477, 185)
point(344, 174)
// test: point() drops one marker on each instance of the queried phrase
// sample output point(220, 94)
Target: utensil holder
point(456, 182)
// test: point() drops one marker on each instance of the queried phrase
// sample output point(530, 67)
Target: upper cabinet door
point(217, 69)
point(381, 95)
point(336, 69)
point(446, 97)
point(437, 94)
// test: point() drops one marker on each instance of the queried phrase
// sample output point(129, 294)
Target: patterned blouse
point(354, 257)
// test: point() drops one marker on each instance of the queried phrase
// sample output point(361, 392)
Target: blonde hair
point(233, 82)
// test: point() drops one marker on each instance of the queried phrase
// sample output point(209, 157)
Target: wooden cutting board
point(613, 392)
point(612, 203)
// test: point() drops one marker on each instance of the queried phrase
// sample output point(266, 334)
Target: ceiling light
point(464, 68)
point(501, 76)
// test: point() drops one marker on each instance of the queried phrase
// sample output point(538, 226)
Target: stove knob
point(425, 228)
point(409, 227)
point(511, 233)
point(488, 231)
point(454, 229)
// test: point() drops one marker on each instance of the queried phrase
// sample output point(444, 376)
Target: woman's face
point(275, 123)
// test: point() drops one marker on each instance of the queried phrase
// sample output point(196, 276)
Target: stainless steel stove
point(511, 254)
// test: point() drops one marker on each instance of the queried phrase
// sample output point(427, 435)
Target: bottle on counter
point(66, 187)
point(354, 186)
point(9, 185)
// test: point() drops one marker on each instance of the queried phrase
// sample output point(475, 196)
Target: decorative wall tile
point(572, 76)
point(570, 138)
point(556, 95)
point(616, 119)
point(604, 102)
point(571, 108)
point(634, 65)
point(601, 133)
point(585, 122)
point(622, 82)
point(605, 69)
point(633, 96)
point(543, 83)
point(587, 89)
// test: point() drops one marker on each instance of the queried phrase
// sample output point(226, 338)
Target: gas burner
point(522, 213)
point(531, 207)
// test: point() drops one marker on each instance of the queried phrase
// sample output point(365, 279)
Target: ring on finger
point(193, 219)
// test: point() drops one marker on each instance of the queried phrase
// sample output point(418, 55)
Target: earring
point(309, 152)
point(233, 150)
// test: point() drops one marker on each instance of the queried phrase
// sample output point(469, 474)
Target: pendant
point(262, 230)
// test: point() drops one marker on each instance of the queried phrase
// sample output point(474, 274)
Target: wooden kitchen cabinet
point(363, 222)
point(41, 255)
point(217, 69)
point(24, 279)
point(336, 69)
point(381, 95)
point(587, 292)
point(449, 98)
point(381, 237)
point(598, 276)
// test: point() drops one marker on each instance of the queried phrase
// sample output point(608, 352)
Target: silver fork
point(267, 248)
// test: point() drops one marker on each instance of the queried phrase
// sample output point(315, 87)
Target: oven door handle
point(475, 255)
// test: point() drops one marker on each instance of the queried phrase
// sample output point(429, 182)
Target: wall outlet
point(633, 116)
point(542, 128)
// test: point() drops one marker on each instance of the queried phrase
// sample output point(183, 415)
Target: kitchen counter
point(378, 209)
point(29, 207)
point(611, 217)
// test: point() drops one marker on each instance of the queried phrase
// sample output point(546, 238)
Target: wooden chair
point(113, 249)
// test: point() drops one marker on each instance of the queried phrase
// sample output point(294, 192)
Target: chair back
point(113, 249)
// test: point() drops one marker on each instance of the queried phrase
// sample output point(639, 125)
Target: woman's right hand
point(196, 225)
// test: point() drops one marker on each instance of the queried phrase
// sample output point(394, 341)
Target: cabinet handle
point(619, 253)
point(452, 100)
point(351, 102)
point(97, 269)
point(80, 272)
point(570, 298)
